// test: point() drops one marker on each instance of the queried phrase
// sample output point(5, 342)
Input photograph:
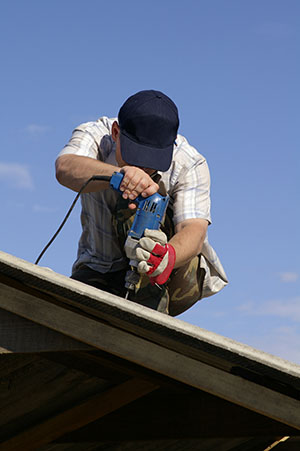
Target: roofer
point(143, 143)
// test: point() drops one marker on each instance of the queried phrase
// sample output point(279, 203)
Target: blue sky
point(233, 69)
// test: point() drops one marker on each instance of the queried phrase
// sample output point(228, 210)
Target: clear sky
point(232, 67)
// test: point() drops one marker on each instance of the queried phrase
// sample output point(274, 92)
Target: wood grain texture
point(78, 416)
point(150, 355)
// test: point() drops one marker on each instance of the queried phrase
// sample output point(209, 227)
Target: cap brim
point(143, 156)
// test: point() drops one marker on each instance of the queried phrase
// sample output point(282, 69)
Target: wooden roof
point(81, 369)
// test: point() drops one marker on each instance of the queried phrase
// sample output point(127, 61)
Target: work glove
point(155, 256)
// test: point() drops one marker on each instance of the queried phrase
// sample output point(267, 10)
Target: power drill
point(149, 215)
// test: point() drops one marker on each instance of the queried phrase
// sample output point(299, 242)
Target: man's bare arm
point(188, 240)
point(73, 171)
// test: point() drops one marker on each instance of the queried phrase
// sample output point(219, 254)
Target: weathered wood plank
point(13, 362)
point(170, 363)
point(40, 390)
point(169, 414)
point(21, 335)
point(82, 362)
point(76, 417)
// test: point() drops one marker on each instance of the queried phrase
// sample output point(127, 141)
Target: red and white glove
point(155, 256)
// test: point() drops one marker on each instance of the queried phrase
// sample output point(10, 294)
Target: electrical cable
point(102, 178)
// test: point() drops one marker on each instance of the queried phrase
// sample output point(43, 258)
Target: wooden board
point(150, 355)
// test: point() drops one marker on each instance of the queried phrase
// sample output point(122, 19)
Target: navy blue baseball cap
point(148, 124)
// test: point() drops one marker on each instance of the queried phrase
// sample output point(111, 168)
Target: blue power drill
point(149, 215)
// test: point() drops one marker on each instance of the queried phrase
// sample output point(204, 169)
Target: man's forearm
point(73, 171)
point(188, 240)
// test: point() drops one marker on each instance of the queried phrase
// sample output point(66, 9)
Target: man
point(177, 267)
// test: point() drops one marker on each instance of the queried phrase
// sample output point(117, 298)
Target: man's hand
point(136, 182)
point(155, 256)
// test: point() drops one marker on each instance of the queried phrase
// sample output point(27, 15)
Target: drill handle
point(115, 183)
point(150, 210)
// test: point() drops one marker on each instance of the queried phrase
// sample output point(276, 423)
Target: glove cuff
point(164, 276)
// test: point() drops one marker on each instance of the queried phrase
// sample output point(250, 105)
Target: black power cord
point(102, 178)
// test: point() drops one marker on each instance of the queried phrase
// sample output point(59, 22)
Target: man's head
point(148, 124)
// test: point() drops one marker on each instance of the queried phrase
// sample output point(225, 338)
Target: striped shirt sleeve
point(189, 186)
point(86, 138)
point(192, 194)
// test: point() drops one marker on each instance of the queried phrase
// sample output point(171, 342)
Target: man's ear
point(115, 131)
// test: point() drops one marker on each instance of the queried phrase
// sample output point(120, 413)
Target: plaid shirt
point(187, 182)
